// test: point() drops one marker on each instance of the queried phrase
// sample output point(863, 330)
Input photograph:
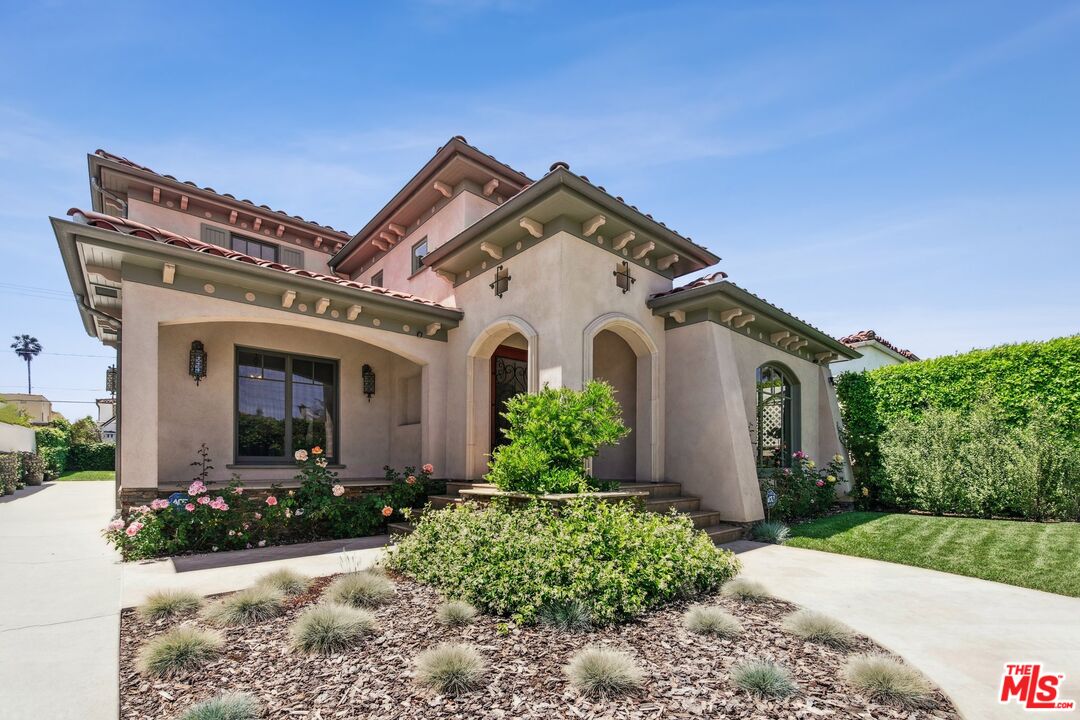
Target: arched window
point(777, 417)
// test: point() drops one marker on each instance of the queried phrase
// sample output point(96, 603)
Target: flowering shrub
point(611, 559)
point(205, 520)
point(804, 489)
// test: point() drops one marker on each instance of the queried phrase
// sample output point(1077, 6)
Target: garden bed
point(686, 675)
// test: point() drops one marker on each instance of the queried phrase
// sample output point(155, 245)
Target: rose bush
point(206, 520)
point(803, 490)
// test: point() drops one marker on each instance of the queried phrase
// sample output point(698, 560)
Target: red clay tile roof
point(124, 161)
point(148, 232)
point(868, 335)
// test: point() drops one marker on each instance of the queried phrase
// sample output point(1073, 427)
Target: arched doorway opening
point(615, 362)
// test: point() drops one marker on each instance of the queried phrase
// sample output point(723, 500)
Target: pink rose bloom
point(246, 526)
point(820, 483)
point(141, 509)
point(428, 468)
point(258, 516)
point(300, 455)
point(159, 504)
point(204, 500)
point(116, 524)
point(411, 479)
point(271, 501)
point(262, 543)
point(239, 491)
point(190, 507)
point(231, 533)
point(134, 528)
point(196, 488)
point(248, 546)
point(338, 490)
point(223, 506)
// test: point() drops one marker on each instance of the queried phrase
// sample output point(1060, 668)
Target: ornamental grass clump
point(450, 668)
point(817, 627)
point(230, 706)
point(360, 589)
point(246, 607)
point(162, 604)
point(885, 679)
point(771, 531)
point(763, 678)
point(180, 650)
point(744, 589)
point(455, 613)
point(569, 615)
point(611, 559)
point(287, 582)
point(330, 627)
point(603, 671)
point(711, 620)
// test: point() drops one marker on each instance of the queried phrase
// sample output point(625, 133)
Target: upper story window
point(419, 250)
point(255, 248)
point(376, 279)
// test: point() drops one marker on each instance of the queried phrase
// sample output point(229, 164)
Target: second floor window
point(419, 250)
point(254, 248)
point(376, 279)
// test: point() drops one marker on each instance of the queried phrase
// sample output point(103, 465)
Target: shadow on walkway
point(25, 492)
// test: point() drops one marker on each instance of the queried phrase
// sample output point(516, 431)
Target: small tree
point(27, 348)
point(551, 434)
point(85, 431)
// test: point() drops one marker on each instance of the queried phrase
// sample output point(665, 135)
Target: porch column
point(139, 390)
point(433, 394)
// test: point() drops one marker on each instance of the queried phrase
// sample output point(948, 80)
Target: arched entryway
point(620, 351)
point(501, 364)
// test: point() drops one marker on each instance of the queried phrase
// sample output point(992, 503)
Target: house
point(876, 352)
point(106, 420)
point(259, 332)
point(38, 408)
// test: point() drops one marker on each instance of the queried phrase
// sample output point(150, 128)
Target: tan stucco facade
point(587, 293)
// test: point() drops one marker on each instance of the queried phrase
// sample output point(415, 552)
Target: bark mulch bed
point(686, 674)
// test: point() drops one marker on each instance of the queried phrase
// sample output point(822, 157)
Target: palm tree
point(27, 348)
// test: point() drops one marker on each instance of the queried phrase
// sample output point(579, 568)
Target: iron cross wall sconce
point(502, 281)
point(369, 381)
point(623, 280)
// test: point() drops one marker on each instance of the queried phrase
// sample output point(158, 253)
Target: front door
point(509, 376)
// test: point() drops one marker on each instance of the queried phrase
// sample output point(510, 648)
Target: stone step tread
point(672, 499)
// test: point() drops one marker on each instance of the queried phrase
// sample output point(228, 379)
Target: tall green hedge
point(1015, 379)
point(91, 456)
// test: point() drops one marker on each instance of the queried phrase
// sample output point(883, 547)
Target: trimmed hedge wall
point(91, 456)
point(1014, 380)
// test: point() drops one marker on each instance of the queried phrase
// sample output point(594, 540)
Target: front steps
point(663, 498)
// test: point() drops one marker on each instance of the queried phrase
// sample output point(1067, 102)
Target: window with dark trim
point(419, 250)
point(254, 248)
point(777, 417)
point(284, 403)
point(376, 279)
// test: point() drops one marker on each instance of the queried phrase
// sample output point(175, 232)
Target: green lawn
point(88, 475)
point(1033, 555)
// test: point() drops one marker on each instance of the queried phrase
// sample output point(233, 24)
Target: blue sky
point(912, 167)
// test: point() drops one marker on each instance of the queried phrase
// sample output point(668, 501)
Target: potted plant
point(33, 468)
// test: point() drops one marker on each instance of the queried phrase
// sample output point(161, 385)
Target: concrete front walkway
point(958, 630)
point(59, 604)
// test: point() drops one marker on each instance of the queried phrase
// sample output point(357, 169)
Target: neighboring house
point(876, 352)
point(106, 420)
point(259, 332)
point(38, 408)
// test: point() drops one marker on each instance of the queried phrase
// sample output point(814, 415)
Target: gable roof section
point(560, 179)
point(865, 336)
point(165, 237)
point(419, 190)
point(715, 298)
point(103, 159)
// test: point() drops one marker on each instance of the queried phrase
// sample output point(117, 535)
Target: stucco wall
point(873, 356)
point(460, 212)
point(16, 438)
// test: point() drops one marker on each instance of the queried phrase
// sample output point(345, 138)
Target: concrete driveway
point(59, 604)
point(959, 631)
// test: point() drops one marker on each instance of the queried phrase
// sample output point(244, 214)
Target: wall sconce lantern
point(623, 281)
point(502, 281)
point(110, 380)
point(197, 361)
point(369, 381)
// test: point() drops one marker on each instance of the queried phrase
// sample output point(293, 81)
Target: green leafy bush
point(1019, 380)
point(52, 445)
point(979, 463)
point(612, 559)
point(551, 433)
point(91, 456)
point(10, 472)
